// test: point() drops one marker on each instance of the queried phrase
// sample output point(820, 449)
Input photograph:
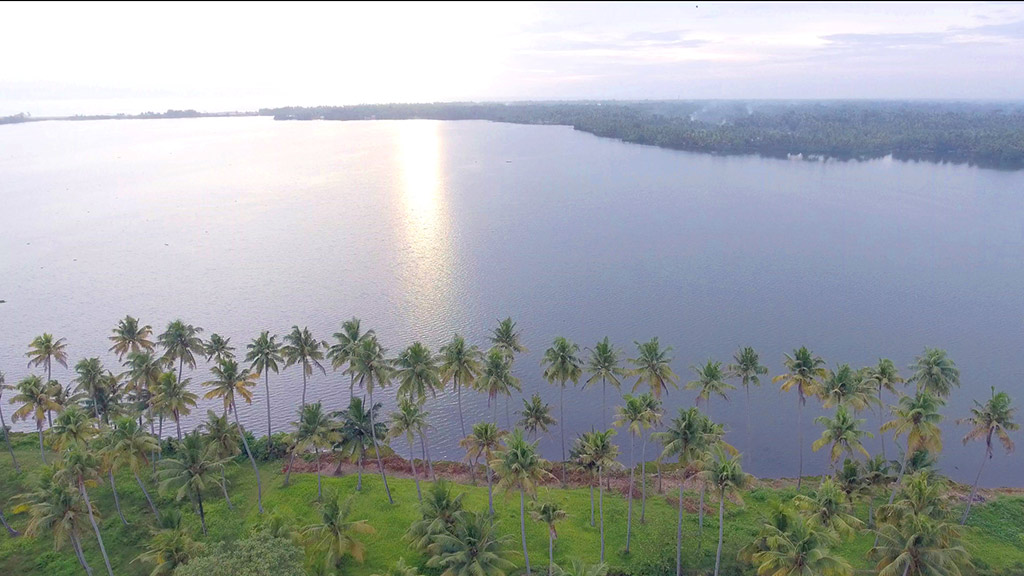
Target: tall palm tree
point(74, 428)
point(334, 532)
point(884, 377)
point(473, 547)
point(418, 375)
point(652, 419)
point(229, 383)
point(520, 467)
point(994, 418)
point(804, 373)
point(441, 511)
point(170, 547)
point(130, 445)
point(189, 471)
point(181, 342)
point(130, 337)
point(799, 547)
point(35, 400)
point(144, 370)
point(90, 380)
point(81, 468)
point(827, 507)
point(581, 460)
point(222, 438)
point(3, 423)
point(603, 364)
point(497, 378)
point(685, 439)
point(935, 372)
point(174, 399)
point(632, 415)
point(218, 348)
point(562, 364)
point(652, 366)
point(877, 475)
point(710, 382)
point(315, 429)
point(848, 387)
point(408, 420)
point(920, 547)
point(918, 417)
point(549, 513)
point(354, 424)
point(724, 474)
point(843, 433)
point(44, 350)
point(536, 416)
point(485, 442)
point(506, 338)
point(372, 369)
point(56, 508)
point(264, 355)
point(604, 454)
point(302, 348)
point(748, 368)
point(348, 339)
point(104, 448)
point(460, 363)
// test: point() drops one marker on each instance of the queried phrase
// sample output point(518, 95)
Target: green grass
point(993, 535)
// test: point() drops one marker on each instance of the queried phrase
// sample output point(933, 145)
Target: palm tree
point(536, 415)
point(747, 367)
point(348, 340)
point(408, 420)
point(131, 445)
point(74, 428)
point(603, 364)
point(80, 468)
point(108, 399)
point(222, 440)
point(173, 398)
point(884, 376)
point(632, 415)
point(371, 370)
point(520, 467)
point(130, 337)
point(355, 435)
point(56, 508)
point(35, 400)
point(170, 547)
point(181, 342)
point(90, 380)
point(264, 355)
point(218, 349)
point(3, 423)
point(144, 370)
point(473, 548)
point(935, 372)
point(711, 382)
point(877, 474)
point(686, 440)
point(843, 433)
point(652, 419)
point(441, 511)
point(418, 374)
point(230, 381)
point(507, 339)
point(301, 347)
point(920, 547)
point(562, 365)
point(581, 460)
point(827, 508)
point(549, 513)
point(994, 418)
point(497, 378)
point(652, 366)
point(797, 548)
point(725, 474)
point(192, 468)
point(315, 429)
point(805, 372)
point(43, 350)
point(460, 363)
point(918, 417)
point(848, 387)
point(485, 441)
point(604, 454)
point(334, 534)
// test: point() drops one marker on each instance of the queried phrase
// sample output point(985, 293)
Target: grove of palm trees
point(97, 484)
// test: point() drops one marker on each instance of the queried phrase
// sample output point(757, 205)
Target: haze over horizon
point(106, 58)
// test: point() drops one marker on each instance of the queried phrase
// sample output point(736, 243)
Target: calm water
point(424, 228)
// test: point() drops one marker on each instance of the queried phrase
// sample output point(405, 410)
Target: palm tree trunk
point(522, 526)
point(10, 531)
point(412, 461)
point(551, 553)
point(592, 499)
point(76, 543)
point(266, 384)
point(629, 496)
point(700, 517)
point(117, 500)
point(604, 394)
point(202, 514)
point(881, 421)
point(359, 480)
point(495, 410)
point(426, 450)
point(7, 437)
point(380, 466)
point(508, 419)
point(800, 428)
point(679, 534)
point(721, 527)
point(224, 487)
point(974, 490)
point(146, 494)
point(600, 503)
point(643, 478)
point(490, 492)
point(95, 528)
point(303, 385)
point(458, 396)
point(39, 428)
point(561, 426)
point(750, 451)
point(177, 424)
point(160, 428)
point(319, 487)
point(255, 469)
point(288, 470)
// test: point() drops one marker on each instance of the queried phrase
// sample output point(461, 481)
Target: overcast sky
point(67, 58)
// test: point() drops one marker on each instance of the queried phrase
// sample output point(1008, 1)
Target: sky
point(58, 58)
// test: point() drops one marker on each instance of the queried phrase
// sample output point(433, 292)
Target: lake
point(424, 228)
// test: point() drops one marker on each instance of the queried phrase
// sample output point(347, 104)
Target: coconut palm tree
point(474, 547)
point(520, 467)
point(315, 429)
point(920, 547)
point(264, 355)
point(192, 468)
point(549, 513)
point(562, 364)
point(918, 417)
point(44, 350)
point(372, 370)
point(90, 380)
point(994, 418)
point(685, 439)
point(56, 508)
point(170, 547)
point(130, 337)
point(218, 349)
point(935, 372)
point(3, 423)
point(604, 365)
point(230, 383)
point(131, 446)
point(843, 433)
point(81, 468)
point(353, 424)
point(302, 348)
point(460, 363)
point(35, 400)
point(485, 442)
point(173, 398)
point(143, 373)
point(877, 474)
point(536, 415)
point(883, 377)
point(74, 428)
point(441, 511)
point(652, 419)
point(181, 342)
point(633, 416)
point(804, 373)
point(800, 547)
point(747, 367)
point(652, 366)
point(848, 387)
point(724, 474)
point(827, 508)
point(408, 420)
point(710, 382)
point(348, 340)
point(222, 439)
point(507, 339)
point(334, 532)
point(418, 375)
point(580, 460)
point(604, 454)
point(497, 378)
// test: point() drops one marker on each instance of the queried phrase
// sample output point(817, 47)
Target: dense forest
point(989, 135)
